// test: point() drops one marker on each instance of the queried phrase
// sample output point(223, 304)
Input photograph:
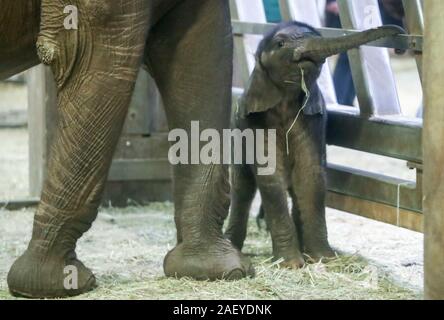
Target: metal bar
point(285, 10)
point(391, 136)
point(242, 27)
point(376, 211)
point(308, 12)
point(19, 204)
point(374, 187)
point(414, 19)
point(359, 76)
point(405, 42)
point(433, 142)
point(394, 137)
point(240, 53)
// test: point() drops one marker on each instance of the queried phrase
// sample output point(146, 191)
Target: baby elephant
point(283, 94)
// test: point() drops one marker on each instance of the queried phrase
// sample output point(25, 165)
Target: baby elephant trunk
point(318, 49)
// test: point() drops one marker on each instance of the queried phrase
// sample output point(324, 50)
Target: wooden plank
point(245, 45)
point(374, 187)
point(433, 142)
point(13, 119)
point(137, 120)
point(376, 211)
point(395, 137)
point(140, 147)
point(241, 66)
point(124, 193)
point(42, 115)
point(156, 111)
point(140, 170)
point(145, 114)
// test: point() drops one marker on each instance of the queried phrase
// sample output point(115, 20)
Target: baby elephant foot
point(218, 261)
point(34, 275)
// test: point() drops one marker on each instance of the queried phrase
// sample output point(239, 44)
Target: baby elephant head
point(289, 60)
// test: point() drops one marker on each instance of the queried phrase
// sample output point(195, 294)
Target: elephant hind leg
point(282, 229)
point(190, 56)
point(243, 190)
point(96, 69)
point(296, 216)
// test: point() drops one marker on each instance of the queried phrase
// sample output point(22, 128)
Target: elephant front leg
point(309, 191)
point(95, 69)
point(309, 186)
point(190, 55)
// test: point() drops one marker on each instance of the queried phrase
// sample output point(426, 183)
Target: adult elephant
point(187, 45)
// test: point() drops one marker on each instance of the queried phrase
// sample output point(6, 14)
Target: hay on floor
point(126, 247)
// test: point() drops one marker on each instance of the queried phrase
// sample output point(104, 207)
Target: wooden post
point(140, 170)
point(42, 115)
point(433, 144)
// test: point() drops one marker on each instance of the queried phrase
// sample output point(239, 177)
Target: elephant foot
point(320, 252)
point(294, 263)
point(218, 261)
point(291, 260)
point(37, 276)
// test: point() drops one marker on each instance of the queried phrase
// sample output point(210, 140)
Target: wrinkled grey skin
point(187, 45)
point(291, 54)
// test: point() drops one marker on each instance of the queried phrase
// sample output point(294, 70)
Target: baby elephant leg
point(283, 232)
point(310, 212)
point(243, 189)
point(309, 187)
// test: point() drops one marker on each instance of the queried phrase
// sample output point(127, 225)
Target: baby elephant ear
point(315, 103)
point(260, 95)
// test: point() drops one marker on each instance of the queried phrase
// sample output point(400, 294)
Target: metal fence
point(377, 127)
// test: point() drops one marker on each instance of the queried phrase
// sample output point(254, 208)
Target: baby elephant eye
point(281, 44)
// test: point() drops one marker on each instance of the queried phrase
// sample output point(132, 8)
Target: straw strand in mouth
point(307, 97)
